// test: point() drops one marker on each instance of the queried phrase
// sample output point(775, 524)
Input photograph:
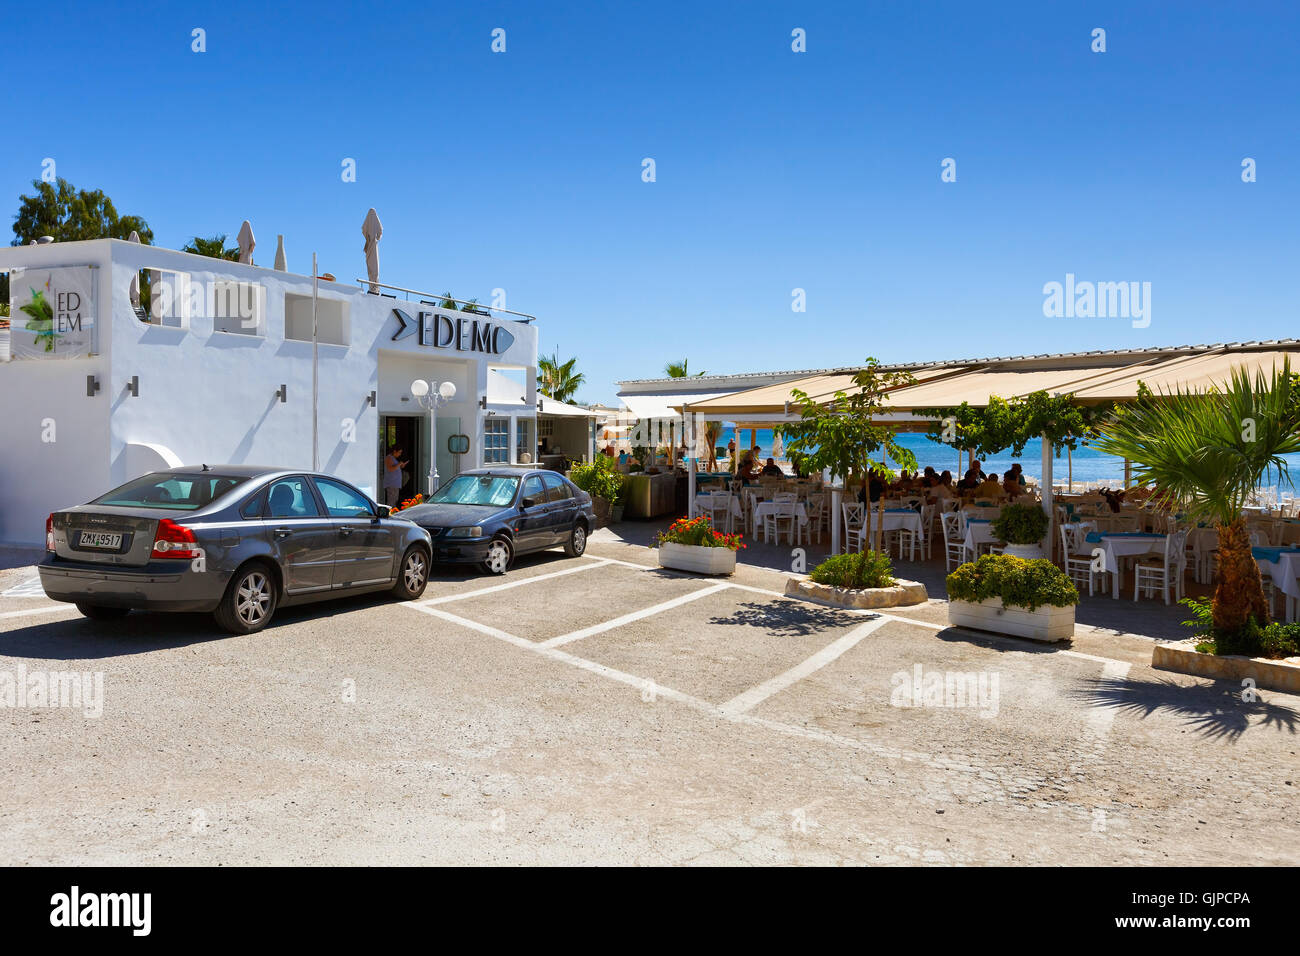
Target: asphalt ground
point(601, 710)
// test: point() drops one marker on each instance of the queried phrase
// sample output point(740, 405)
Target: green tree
point(470, 305)
point(69, 214)
point(558, 380)
point(680, 370)
point(844, 437)
point(214, 248)
point(1208, 452)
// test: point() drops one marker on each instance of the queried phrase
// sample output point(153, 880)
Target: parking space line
point(53, 608)
point(493, 589)
point(472, 625)
point(756, 695)
point(633, 616)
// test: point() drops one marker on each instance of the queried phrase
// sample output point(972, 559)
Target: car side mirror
point(528, 502)
point(384, 511)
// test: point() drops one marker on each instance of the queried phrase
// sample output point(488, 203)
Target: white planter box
point(694, 557)
point(1044, 624)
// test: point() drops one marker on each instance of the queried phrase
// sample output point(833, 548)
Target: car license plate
point(104, 540)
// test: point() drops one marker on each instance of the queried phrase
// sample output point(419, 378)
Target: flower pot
point(600, 508)
point(1042, 624)
point(1027, 551)
point(697, 558)
point(616, 512)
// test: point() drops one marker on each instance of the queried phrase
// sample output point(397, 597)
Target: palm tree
point(471, 305)
point(1208, 452)
point(558, 380)
point(214, 247)
point(679, 370)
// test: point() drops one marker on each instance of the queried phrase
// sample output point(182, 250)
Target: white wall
point(39, 476)
point(210, 396)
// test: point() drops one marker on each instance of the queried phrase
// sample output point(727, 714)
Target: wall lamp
point(282, 393)
point(482, 403)
point(371, 399)
point(92, 386)
point(133, 386)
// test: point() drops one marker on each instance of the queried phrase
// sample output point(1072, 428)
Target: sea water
point(1089, 464)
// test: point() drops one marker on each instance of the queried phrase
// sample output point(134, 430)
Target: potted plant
point(1022, 527)
point(601, 479)
point(861, 579)
point(692, 544)
point(1011, 595)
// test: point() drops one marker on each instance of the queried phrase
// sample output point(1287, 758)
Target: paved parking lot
point(599, 709)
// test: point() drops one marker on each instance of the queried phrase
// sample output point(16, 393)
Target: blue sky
point(775, 170)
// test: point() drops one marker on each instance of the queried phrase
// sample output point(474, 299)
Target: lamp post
point(432, 395)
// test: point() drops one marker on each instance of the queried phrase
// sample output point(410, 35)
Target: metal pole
point(690, 462)
point(315, 372)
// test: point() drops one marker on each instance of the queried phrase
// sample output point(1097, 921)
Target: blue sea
point(1089, 464)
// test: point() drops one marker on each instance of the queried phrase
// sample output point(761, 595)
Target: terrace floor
point(1150, 618)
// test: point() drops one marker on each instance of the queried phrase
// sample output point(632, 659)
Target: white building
point(216, 366)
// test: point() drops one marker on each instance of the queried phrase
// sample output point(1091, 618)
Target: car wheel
point(577, 542)
point(98, 612)
point(498, 556)
point(413, 574)
point(249, 601)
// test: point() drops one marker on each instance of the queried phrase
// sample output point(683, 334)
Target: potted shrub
point(602, 480)
point(1023, 528)
point(692, 544)
point(1010, 595)
point(863, 579)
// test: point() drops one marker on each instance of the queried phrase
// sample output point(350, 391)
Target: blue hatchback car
point(489, 515)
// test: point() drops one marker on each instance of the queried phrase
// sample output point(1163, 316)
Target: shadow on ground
point(1216, 711)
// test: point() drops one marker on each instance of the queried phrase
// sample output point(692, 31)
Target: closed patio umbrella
point(373, 230)
point(135, 277)
point(246, 242)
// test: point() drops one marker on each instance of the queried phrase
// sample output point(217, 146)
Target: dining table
point(1118, 545)
point(1283, 566)
point(978, 531)
point(765, 508)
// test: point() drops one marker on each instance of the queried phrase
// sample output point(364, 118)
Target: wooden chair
point(854, 532)
point(954, 544)
point(1164, 574)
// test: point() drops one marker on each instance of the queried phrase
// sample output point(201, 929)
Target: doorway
point(406, 432)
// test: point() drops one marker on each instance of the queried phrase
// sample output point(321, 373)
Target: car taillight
point(174, 540)
point(49, 534)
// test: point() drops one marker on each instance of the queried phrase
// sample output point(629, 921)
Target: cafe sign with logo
point(52, 313)
point(452, 331)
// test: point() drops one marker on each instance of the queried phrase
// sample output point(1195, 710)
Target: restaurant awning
point(768, 402)
point(978, 386)
point(1194, 372)
point(665, 405)
point(549, 406)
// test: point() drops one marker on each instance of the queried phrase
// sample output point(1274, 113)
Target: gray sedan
point(237, 541)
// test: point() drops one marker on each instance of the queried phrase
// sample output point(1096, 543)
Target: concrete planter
point(1043, 624)
point(1182, 656)
point(1027, 551)
point(697, 558)
point(901, 594)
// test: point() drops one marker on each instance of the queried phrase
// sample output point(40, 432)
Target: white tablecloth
point(1285, 572)
point(977, 533)
point(766, 508)
point(1118, 546)
point(900, 521)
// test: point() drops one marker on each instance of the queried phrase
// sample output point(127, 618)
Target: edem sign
point(462, 334)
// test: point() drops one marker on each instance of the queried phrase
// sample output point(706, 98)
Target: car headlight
point(473, 532)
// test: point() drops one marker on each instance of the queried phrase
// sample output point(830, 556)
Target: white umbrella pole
point(1047, 493)
point(315, 372)
point(690, 466)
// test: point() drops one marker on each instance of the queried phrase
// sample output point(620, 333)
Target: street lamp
point(431, 395)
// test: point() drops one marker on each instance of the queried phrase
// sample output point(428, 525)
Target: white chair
point(954, 546)
point(1077, 557)
point(853, 528)
point(718, 508)
point(1164, 574)
point(781, 514)
point(816, 505)
point(927, 529)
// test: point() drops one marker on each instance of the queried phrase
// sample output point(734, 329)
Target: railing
point(437, 299)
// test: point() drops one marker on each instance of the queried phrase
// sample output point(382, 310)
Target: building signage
point(462, 333)
point(52, 312)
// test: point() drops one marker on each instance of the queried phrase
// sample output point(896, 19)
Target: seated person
point(746, 470)
point(1010, 486)
point(772, 469)
point(942, 487)
point(989, 488)
point(624, 458)
point(1019, 473)
point(877, 486)
point(974, 475)
point(930, 478)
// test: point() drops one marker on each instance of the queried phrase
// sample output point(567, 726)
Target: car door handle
point(345, 531)
point(282, 532)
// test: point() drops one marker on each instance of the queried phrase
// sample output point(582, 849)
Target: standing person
point(393, 466)
point(731, 455)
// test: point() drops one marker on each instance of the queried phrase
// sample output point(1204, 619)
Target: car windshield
point(173, 492)
point(496, 490)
